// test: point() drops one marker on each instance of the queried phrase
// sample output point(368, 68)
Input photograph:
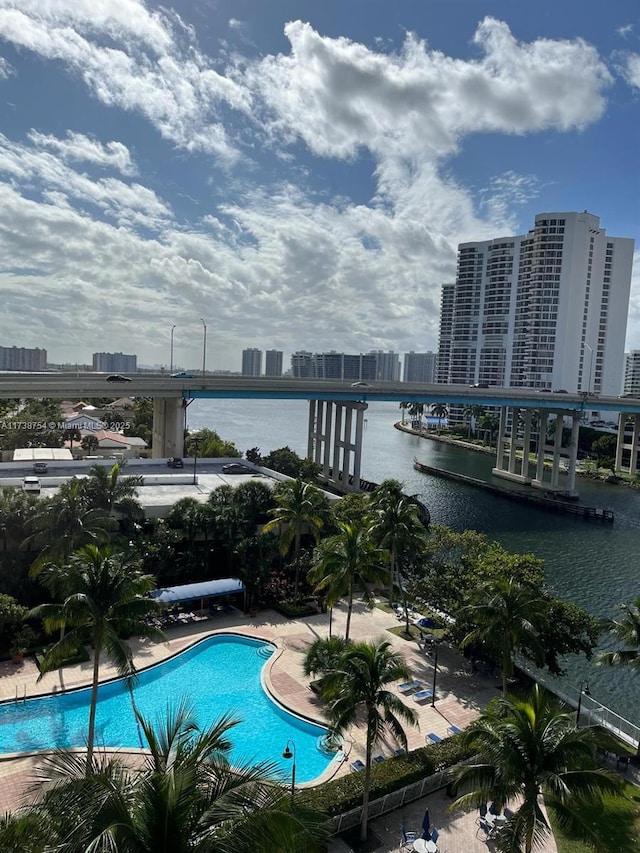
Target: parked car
point(175, 462)
point(31, 484)
point(236, 468)
point(40, 467)
point(118, 377)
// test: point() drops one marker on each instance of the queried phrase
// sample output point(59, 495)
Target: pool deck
point(460, 698)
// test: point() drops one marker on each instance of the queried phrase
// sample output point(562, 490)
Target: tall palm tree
point(440, 411)
point(186, 798)
point(529, 749)
point(346, 563)
point(396, 526)
point(627, 632)
point(356, 692)
point(104, 599)
point(507, 616)
point(300, 507)
point(67, 522)
point(108, 489)
point(472, 413)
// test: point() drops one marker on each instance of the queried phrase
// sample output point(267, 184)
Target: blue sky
point(296, 175)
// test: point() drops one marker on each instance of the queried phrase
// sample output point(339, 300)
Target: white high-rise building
point(631, 384)
point(387, 365)
point(545, 310)
point(419, 367)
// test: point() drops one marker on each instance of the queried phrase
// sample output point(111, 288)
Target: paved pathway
point(459, 699)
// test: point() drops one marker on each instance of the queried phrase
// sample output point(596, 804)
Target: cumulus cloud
point(338, 95)
point(267, 260)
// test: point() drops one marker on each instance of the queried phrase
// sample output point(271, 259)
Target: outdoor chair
point(378, 759)
point(433, 738)
point(408, 686)
point(407, 839)
point(423, 695)
point(357, 765)
point(622, 763)
point(454, 730)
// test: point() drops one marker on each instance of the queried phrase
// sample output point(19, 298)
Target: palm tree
point(440, 411)
point(627, 632)
point(323, 655)
point(299, 507)
point(396, 526)
point(108, 489)
point(530, 748)
point(186, 798)
point(507, 616)
point(472, 413)
point(67, 522)
point(356, 691)
point(104, 600)
point(347, 562)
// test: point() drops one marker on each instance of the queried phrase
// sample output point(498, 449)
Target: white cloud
point(625, 30)
point(149, 70)
point(629, 66)
point(337, 95)
point(78, 147)
point(5, 69)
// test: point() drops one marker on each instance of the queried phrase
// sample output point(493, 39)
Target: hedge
point(343, 794)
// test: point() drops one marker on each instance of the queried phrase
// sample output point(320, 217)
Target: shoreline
point(601, 475)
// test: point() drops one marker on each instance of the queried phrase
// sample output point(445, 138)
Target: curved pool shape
point(218, 675)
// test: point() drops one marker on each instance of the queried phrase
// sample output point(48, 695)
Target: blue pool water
point(218, 675)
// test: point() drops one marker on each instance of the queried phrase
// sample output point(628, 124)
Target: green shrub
point(292, 611)
point(341, 795)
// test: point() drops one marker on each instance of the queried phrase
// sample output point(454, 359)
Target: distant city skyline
point(300, 173)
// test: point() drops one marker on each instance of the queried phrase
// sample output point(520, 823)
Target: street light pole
point(586, 346)
point(435, 673)
point(290, 752)
point(204, 345)
point(584, 688)
point(171, 358)
point(195, 441)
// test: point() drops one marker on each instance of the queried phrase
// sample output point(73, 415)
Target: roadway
point(77, 386)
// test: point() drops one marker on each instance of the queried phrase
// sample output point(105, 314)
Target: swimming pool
point(218, 675)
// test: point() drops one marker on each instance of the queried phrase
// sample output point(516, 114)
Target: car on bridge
point(118, 377)
point(183, 374)
point(175, 462)
point(40, 467)
point(361, 385)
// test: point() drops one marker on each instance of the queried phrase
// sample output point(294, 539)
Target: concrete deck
point(460, 698)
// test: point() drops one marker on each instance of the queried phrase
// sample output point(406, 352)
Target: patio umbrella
point(426, 824)
point(426, 622)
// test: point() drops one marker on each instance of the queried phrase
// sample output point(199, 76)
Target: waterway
point(593, 564)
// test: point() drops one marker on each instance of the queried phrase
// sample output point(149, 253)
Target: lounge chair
point(340, 756)
point(357, 765)
point(408, 686)
point(399, 751)
point(433, 737)
point(378, 759)
point(454, 730)
point(422, 695)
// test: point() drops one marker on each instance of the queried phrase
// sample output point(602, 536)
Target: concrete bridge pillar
point(631, 445)
point(573, 453)
point(168, 427)
point(511, 471)
point(335, 443)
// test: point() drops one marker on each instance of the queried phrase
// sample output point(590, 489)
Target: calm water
point(594, 565)
point(216, 676)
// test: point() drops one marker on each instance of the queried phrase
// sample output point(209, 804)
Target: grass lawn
point(618, 819)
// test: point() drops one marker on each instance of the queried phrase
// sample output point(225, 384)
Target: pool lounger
point(408, 686)
point(421, 695)
point(340, 756)
point(454, 730)
point(433, 738)
point(378, 759)
point(357, 765)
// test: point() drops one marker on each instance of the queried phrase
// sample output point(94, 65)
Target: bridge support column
point(633, 446)
point(511, 471)
point(554, 484)
point(168, 427)
point(334, 444)
point(573, 453)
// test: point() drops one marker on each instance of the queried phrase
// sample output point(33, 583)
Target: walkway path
point(459, 699)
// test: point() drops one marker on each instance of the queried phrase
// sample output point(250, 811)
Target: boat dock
point(550, 504)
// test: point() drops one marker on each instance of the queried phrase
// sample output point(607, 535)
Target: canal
point(592, 564)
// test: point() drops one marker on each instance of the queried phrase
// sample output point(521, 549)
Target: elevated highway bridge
point(336, 414)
